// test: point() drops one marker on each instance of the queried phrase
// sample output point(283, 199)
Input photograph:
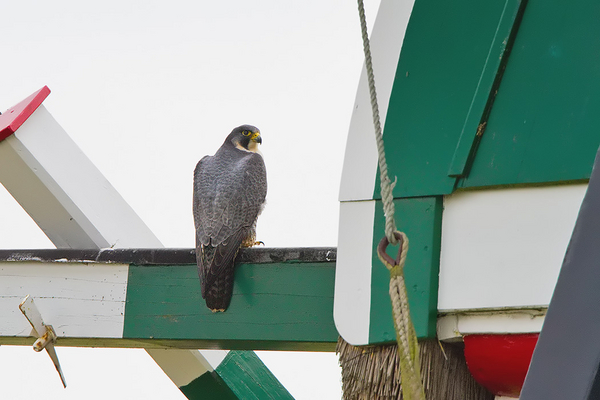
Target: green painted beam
point(421, 220)
point(258, 382)
point(275, 306)
point(241, 375)
point(282, 300)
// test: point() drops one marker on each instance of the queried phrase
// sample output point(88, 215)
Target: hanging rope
point(386, 185)
point(408, 348)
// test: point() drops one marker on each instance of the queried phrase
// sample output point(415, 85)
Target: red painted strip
point(14, 117)
point(500, 362)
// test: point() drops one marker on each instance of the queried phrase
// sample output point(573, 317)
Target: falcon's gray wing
point(229, 193)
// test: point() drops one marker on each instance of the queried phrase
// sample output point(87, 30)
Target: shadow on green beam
point(208, 386)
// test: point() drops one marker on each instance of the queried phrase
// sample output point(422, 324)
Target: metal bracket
point(45, 333)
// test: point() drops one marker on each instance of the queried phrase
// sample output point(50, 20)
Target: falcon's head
point(245, 137)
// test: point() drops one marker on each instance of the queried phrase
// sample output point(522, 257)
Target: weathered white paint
point(352, 301)
point(504, 248)
point(64, 192)
point(454, 327)
point(360, 160)
point(77, 299)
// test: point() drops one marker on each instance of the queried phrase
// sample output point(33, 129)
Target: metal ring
point(383, 244)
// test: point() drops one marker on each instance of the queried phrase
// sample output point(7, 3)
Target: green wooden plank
point(443, 57)
point(280, 306)
point(421, 220)
point(544, 123)
point(247, 376)
point(485, 93)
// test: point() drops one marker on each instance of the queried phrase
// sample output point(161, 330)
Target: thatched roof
point(373, 372)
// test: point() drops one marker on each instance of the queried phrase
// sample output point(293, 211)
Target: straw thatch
point(373, 372)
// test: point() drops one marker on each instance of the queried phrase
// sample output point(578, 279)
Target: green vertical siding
point(420, 219)
point(449, 62)
point(544, 123)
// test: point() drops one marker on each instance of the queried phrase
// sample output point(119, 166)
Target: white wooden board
point(352, 301)
point(504, 248)
point(64, 192)
point(77, 299)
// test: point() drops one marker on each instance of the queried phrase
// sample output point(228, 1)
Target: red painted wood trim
point(500, 362)
point(14, 117)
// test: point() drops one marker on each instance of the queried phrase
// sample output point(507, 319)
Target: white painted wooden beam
point(64, 192)
point(78, 299)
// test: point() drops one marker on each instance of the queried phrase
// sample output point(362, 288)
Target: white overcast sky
point(146, 88)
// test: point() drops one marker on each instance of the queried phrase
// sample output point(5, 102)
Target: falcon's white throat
point(252, 147)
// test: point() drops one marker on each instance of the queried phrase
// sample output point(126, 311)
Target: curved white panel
point(360, 159)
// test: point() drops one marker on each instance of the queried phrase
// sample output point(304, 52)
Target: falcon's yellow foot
point(252, 243)
point(216, 310)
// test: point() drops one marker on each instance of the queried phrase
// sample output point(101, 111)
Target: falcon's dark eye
point(246, 133)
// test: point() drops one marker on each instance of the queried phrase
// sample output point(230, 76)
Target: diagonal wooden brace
point(77, 208)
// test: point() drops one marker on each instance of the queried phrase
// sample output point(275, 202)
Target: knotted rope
point(408, 348)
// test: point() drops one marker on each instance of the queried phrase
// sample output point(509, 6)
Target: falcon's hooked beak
point(256, 137)
point(255, 140)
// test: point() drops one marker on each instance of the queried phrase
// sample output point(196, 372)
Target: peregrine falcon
point(229, 194)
